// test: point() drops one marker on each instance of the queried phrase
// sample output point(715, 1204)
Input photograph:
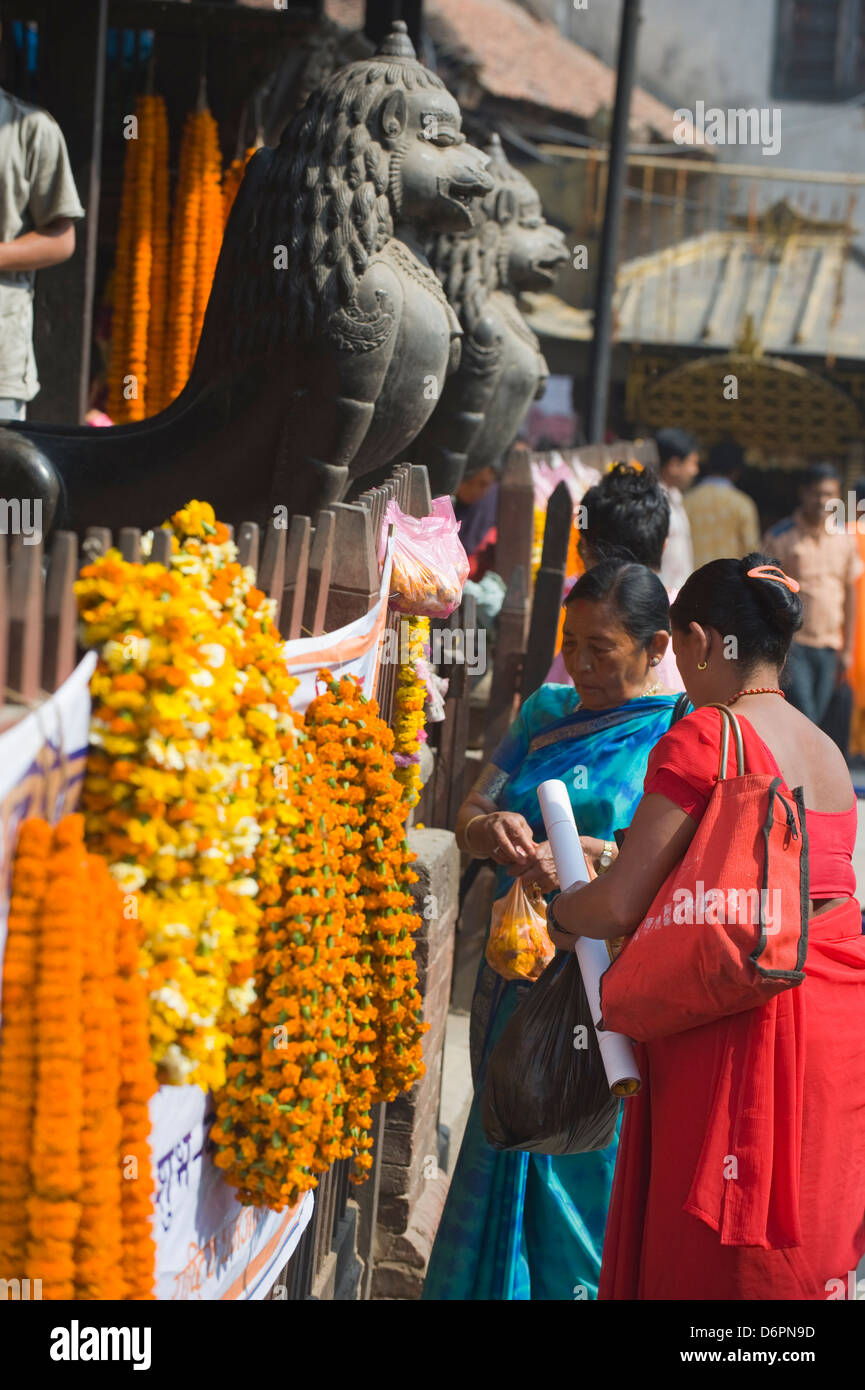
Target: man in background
point(39, 206)
point(724, 521)
point(814, 549)
point(679, 463)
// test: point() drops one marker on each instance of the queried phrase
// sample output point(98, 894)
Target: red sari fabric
point(741, 1165)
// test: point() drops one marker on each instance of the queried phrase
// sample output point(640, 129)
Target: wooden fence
point(321, 577)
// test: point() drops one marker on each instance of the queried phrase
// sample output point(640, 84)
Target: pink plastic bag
point(430, 565)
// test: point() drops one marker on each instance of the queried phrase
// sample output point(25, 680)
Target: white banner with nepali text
point(207, 1245)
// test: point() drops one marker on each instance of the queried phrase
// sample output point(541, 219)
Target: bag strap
point(728, 722)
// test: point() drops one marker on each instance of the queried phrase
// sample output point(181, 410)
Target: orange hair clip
point(774, 572)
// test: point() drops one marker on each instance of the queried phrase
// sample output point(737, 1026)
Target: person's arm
point(845, 656)
point(615, 904)
point(36, 250)
point(851, 605)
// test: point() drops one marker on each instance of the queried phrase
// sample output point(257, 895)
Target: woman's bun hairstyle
point(762, 614)
point(781, 606)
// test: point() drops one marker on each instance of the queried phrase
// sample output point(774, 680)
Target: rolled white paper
point(593, 957)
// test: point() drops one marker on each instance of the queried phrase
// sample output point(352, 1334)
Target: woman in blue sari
point(523, 1225)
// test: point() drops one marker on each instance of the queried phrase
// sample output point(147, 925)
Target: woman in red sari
point(741, 1165)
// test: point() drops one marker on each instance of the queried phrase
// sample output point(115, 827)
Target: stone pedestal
point(413, 1187)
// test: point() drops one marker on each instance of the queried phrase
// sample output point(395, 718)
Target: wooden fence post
point(419, 495)
point(248, 545)
point(61, 612)
point(319, 575)
point(160, 553)
point(25, 620)
point(510, 653)
point(355, 587)
point(271, 573)
point(516, 517)
point(295, 571)
point(547, 597)
point(451, 752)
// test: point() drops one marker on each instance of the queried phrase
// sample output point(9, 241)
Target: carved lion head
point(377, 145)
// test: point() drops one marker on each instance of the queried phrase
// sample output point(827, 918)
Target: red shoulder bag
point(729, 928)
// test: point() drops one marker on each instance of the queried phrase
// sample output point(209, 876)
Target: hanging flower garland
point(63, 1141)
point(98, 1249)
point(18, 1040)
point(384, 874)
point(281, 1116)
point(140, 267)
point(158, 322)
point(137, 1085)
point(233, 179)
point(191, 719)
point(539, 527)
point(409, 704)
point(54, 1205)
point(196, 239)
point(211, 221)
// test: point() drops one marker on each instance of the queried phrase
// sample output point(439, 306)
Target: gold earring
point(701, 665)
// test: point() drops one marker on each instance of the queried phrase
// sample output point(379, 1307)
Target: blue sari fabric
point(521, 1225)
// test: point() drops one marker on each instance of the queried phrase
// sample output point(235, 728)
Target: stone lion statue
point(510, 249)
point(327, 338)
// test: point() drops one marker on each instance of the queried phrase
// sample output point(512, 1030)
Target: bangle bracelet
point(468, 826)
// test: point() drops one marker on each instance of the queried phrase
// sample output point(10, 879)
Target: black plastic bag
point(544, 1091)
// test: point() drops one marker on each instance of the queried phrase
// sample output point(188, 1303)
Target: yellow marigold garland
point(190, 707)
point(540, 525)
point(409, 706)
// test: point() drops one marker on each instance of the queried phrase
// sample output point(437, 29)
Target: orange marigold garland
point(54, 1204)
point(384, 874)
point(336, 732)
point(196, 240)
point(18, 1041)
point(98, 1266)
point(60, 1194)
point(210, 219)
point(140, 268)
point(137, 1085)
point(232, 181)
point(157, 328)
point(281, 1115)
point(184, 254)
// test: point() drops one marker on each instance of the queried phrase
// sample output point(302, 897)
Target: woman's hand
point(593, 849)
point(506, 837)
point(566, 941)
point(541, 871)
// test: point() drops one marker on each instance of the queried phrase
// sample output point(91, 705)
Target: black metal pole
point(602, 340)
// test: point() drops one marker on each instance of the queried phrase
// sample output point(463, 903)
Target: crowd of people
point(738, 1172)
